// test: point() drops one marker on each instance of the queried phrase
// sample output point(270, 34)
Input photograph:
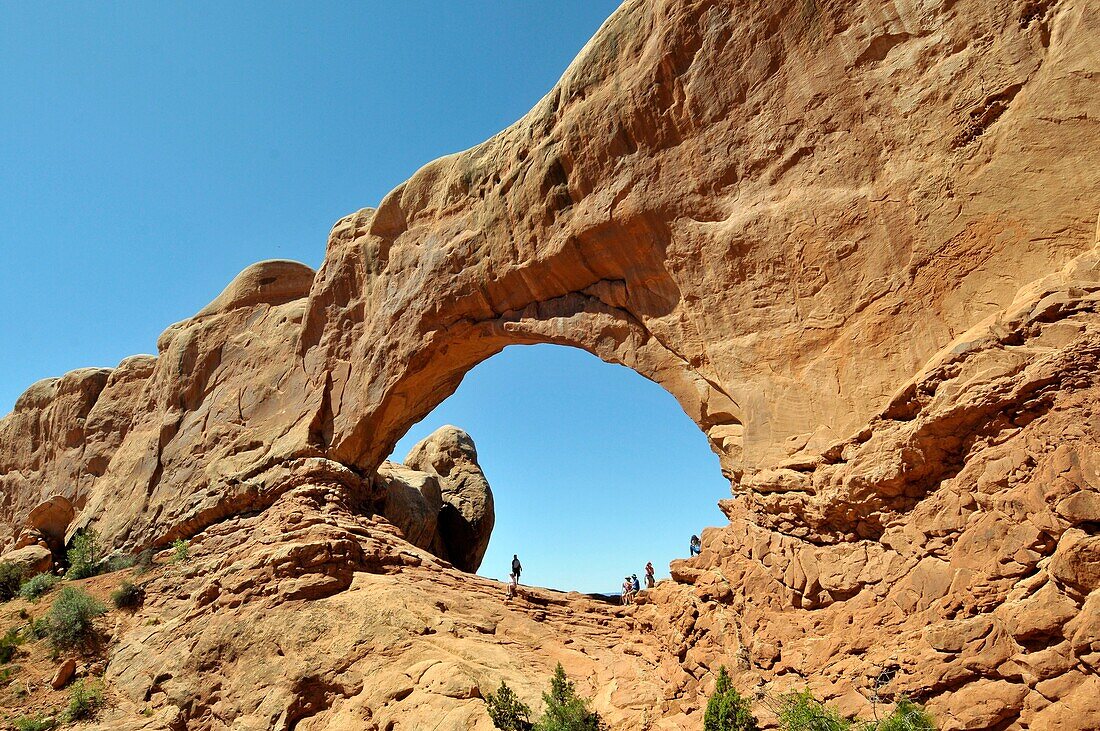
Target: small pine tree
point(84, 555)
point(508, 712)
point(565, 710)
point(726, 709)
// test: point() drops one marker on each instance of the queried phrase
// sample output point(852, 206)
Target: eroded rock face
point(466, 516)
point(440, 499)
point(856, 241)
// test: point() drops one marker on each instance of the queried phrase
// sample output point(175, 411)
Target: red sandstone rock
point(856, 242)
point(64, 674)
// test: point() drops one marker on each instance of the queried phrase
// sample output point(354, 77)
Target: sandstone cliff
point(856, 240)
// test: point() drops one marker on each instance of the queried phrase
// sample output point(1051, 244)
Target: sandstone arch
point(856, 240)
point(588, 320)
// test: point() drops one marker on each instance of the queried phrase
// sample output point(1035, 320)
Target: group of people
point(631, 585)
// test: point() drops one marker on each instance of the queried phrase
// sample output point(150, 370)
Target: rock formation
point(856, 240)
point(440, 499)
point(466, 516)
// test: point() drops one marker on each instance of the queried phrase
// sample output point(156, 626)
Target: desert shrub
point(37, 723)
point(118, 562)
point(803, 712)
point(11, 578)
point(726, 709)
point(906, 716)
point(9, 644)
point(508, 712)
point(40, 628)
point(565, 710)
point(71, 616)
point(37, 585)
point(85, 698)
point(128, 596)
point(84, 555)
point(180, 551)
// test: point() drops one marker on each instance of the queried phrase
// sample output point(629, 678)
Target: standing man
point(517, 567)
point(649, 580)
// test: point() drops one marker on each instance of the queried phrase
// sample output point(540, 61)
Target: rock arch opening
point(594, 470)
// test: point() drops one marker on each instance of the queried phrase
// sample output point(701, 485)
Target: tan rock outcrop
point(466, 516)
point(857, 242)
point(32, 559)
point(411, 501)
point(440, 499)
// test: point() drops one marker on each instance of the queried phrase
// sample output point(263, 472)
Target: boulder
point(64, 674)
point(411, 501)
point(1077, 560)
point(34, 559)
point(48, 521)
point(466, 517)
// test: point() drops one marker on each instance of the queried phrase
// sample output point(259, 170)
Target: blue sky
point(595, 470)
point(150, 151)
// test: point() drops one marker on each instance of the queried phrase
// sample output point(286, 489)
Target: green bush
point(38, 723)
point(71, 617)
point(726, 709)
point(565, 710)
point(118, 562)
point(40, 628)
point(508, 712)
point(84, 700)
point(37, 585)
point(803, 712)
point(180, 551)
point(85, 555)
point(128, 596)
point(906, 716)
point(11, 578)
point(9, 644)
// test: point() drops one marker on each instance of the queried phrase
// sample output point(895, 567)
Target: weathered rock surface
point(33, 559)
point(466, 516)
point(440, 499)
point(857, 241)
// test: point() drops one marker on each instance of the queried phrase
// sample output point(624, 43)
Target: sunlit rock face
point(440, 498)
point(855, 240)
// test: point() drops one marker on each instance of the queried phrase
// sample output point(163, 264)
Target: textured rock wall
point(440, 499)
point(855, 240)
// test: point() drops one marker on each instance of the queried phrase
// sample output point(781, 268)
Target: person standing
point(628, 591)
point(649, 580)
point(696, 546)
point(517, 567)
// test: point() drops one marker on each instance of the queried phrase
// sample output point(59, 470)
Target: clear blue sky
point(594, 469)
point(150, 151)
